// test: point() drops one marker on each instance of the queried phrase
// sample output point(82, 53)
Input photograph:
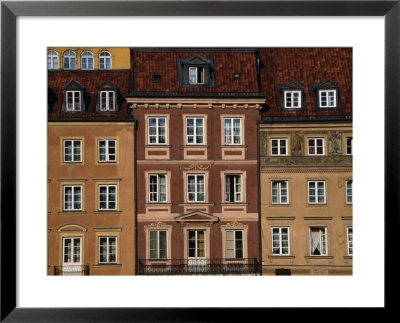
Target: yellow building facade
point(306, 198)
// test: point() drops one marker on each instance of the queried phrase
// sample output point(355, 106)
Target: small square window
point(72, 198)
point(157, 128)
point(107, 197)
point(72, 151)
point(327, 98)
point(316, 192)
point(278, 147)
point(315, 146)
point(293, 99)
point(279, 192)
point(107, 151)
point(196, 75)
point(156, 78)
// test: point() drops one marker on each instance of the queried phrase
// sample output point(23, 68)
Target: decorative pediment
point(107, 85)
point(325, 85)
point(292, 85)
point(196, 60)
point(72, 227)
point(73, 85)
point(196, 216)
point(195, 167)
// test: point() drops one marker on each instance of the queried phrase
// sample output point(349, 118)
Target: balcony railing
point(71, 270)
point(211, 266)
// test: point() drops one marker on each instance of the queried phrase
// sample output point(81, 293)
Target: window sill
point(157, 145)
point(347, 257)
point(234, 146)
point(234, 203)
point(107, 211)
point(72, 212)
point(158, 204)
point(107, 265)
point(196, 203)
point(317, 204)
point(195, 146)
point(318, 257)
point(281, 257)
point(280, 204)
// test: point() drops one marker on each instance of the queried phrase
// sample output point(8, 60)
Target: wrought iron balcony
point(71, 270)
point(211, 266)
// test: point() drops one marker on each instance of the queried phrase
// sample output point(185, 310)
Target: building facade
point(306, 162)
point(196, 157)
point(91, 209)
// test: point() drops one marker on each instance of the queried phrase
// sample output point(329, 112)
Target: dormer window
point(196, 71)
point(326, 95)
point(73, 97)
point(292, 96)
point(73, 101)
point(69, 60)
point(107, 101)
point(196, 75)
point(107, 97)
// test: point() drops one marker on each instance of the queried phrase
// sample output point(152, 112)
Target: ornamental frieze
point(306, 161)
point(195, 167)
point(297, 144)
point(334, 142)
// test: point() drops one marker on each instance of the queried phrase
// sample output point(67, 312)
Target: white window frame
point(107, 201)
point(107, 107)
point(73, 142)
point(237, 192)
point(196, 72)
point(194, 131)
point(196, 192)
point(231, 135)
point(315, 141)
point(103, 56)
point(349, 146)
point(323, 239)
point(328, 93)
point(70, 56)
point(290, 95)
point(73, 188)
point(76, 101)
point(280, 241)
point(278, 145)
point(52, 60)
point(86, 56)
point(157, 135)
point(234, 239)
point(107, 154)
point(158, 249)
point(158, 191)
point(349, 241)
point(349, 187)
point(108, 253)
point(315, 184)
point(279, 195)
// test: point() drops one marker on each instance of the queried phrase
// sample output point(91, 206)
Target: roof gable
point(196, 216)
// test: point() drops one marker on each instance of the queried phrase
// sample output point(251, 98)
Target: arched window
point(87, 61)
point(104, 60)
point(69, 60)
point(52, 60)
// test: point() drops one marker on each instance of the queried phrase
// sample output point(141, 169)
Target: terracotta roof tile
point(306, 66)
point(90, 80)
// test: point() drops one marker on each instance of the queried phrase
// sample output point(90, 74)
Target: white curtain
point(315, 241)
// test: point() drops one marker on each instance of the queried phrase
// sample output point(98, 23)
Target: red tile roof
point(90, 80)
point(164, 62)
point(306, 66)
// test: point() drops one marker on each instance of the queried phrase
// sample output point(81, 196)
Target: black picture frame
point(10, 10)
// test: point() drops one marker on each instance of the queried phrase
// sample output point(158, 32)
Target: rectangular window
point(195, 188)
point(350, 241)
point(349, 145)
point(107, 101)
point(73, 101)
point(194, 131)
point(158, 188)
point(72, 198)
point(327, 99)
point(196, 75)
point(318, 245)
point(72, 151)
point(349, 192)
point(315, 146)
point(280, 241)
point(278, 147)
point(107, 197)
point(107, 250)
point(157, 130)
point(232, 131)
point(107, 151)
point(158, 244)
point(316, 192)
point(234, 244)
point(279, 192)
point(292, 99)
point(233, 188)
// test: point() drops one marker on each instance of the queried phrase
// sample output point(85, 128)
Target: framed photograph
point(29, 29)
